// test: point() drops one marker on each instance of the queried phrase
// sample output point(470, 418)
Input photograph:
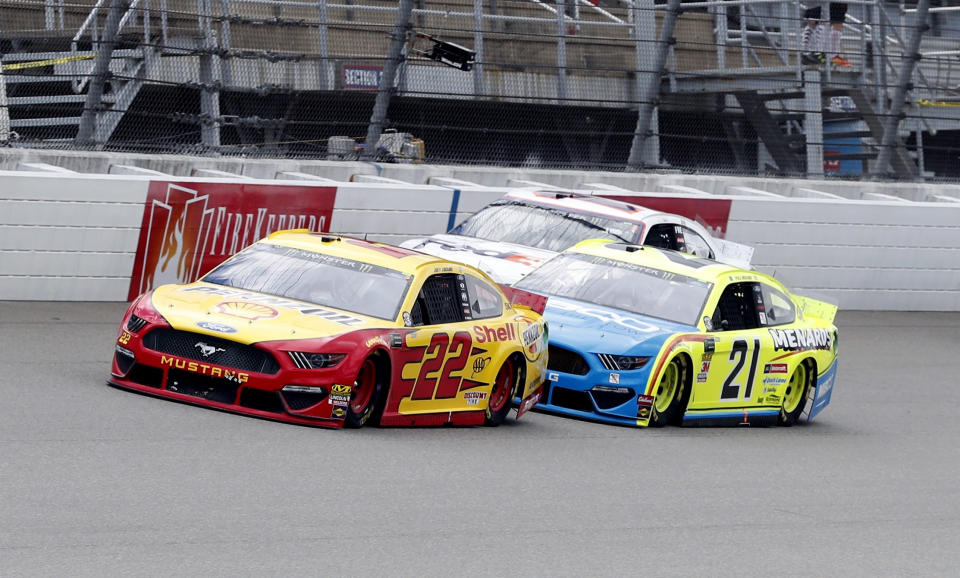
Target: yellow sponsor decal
point(339, 412)
point(339, 389)
point(50, 62)
point(375, 340)
point(204, 369)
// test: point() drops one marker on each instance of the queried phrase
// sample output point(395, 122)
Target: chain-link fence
point(742, 86)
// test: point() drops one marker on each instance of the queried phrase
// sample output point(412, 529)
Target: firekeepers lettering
point(484, 334)
point(203, 368)
point(801, 339)
point(241, 229)
point(188, 230)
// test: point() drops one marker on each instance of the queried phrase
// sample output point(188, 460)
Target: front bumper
point(317, 398)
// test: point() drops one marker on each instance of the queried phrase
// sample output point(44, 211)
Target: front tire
point(501, 396)
point(365, 395)
point(795, 396)
point(670, 394)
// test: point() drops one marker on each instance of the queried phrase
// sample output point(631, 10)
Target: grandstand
point(561, 84)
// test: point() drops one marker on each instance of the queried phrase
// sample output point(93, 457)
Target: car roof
point(663, 260)
point(586, 204)
point(406, 261)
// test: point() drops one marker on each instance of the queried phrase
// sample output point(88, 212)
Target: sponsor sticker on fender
point(775, 368)
point(474, 397)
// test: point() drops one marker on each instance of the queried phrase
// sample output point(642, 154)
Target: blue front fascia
point(588, 329)
point(824, 390)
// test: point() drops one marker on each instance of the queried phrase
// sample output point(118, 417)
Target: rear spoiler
point(818, 309)
point(526, 299)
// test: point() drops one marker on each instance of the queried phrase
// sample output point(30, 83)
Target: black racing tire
point(368, 389)
point(501, 396)
point(795, 396)
point(670, 394)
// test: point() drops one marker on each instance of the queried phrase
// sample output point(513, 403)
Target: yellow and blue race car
point(648, 337)
point(325, 330)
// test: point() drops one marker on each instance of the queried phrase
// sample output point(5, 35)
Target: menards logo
point(203, 368)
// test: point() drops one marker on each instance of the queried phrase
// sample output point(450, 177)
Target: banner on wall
point(711, 213)
point(188, 228)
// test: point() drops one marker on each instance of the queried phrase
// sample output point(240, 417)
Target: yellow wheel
point(669, 394)
point(795, 396)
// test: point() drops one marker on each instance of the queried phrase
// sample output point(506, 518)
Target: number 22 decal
point(738, 356)
point(444, 385)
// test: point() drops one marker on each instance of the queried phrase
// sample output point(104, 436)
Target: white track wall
point(71, 236)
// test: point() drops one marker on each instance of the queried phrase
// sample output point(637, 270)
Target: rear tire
point(501, 396)
point(795, 396)
point(365, 395)
point(670, 394)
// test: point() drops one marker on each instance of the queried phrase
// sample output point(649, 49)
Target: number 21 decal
point(738, 356)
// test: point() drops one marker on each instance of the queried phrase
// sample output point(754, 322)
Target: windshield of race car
point(625, 286)
point(543, 227)
point(315, 278)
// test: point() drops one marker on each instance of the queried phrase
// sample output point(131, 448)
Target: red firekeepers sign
point(189, 228)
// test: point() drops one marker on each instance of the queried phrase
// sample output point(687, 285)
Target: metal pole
point(813, 122)
point(891, 127)
point(4, 113)
point(561, 51)
point(209, 92)
point(478, 47)
point(394, 55)
point(101, 69)
point(323, 73)
point(650, 95)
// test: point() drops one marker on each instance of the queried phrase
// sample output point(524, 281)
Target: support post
point(648, 79)
point(813, 122)
point(394, 56)
point(478, 47)
point(891, 127)
point(209, 91)
point(562, 50)
point(101, 70)
point(323, 74)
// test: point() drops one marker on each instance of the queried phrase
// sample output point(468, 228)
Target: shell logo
point(246, 310)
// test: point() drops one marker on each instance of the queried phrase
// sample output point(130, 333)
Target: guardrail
point(95, 237)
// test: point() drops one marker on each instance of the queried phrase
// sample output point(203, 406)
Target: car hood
point(585, 326)
point(250, 317)
point(505, 262)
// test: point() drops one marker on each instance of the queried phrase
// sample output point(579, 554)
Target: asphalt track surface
point(96, 481)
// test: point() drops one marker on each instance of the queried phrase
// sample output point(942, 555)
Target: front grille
point(225, 353)
point(560, 359)
point(261, 400)
point(610, 397)
point(300, 400)
point(571, 399)
point(209, 388)
point(146, 375)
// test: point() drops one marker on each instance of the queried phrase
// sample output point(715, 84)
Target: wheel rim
point(794, 394)
point(667, 388)
point(501, 387)
point(363, 387)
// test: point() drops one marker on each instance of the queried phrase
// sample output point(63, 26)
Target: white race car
point(510, 237)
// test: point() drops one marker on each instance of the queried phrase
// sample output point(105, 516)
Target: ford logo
point(218, 327)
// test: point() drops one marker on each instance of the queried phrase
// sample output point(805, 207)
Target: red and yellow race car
point(324, 330)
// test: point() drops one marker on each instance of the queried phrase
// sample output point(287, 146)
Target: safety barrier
point(96, 237)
